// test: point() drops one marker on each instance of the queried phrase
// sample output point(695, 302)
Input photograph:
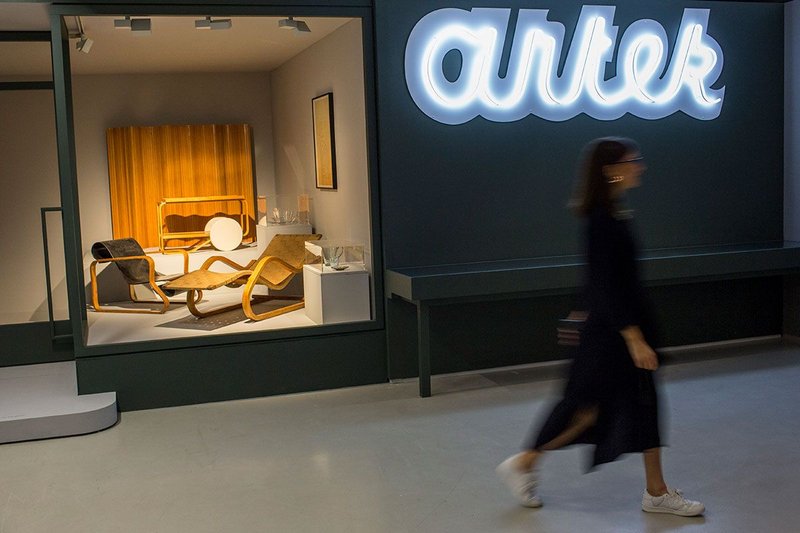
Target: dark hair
point(592, 188)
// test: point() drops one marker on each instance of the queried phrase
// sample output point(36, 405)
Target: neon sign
point(643, 85)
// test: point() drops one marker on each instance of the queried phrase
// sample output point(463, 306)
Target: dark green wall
point(31, 343)
point(486, 191)
point(502, 333)
point(196, 375)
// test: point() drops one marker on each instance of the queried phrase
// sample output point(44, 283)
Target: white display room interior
point(121, 84)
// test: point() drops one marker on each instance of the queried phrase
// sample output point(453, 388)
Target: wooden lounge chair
point(281, 261)
point(137, 268)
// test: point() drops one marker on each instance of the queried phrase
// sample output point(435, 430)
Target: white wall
point(285, 164)
point(29, 180)
point(791, 200)
point(102, 102)
point(29, 167)
point(334, 64)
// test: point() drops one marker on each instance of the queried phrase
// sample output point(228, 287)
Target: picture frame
point(324, 141)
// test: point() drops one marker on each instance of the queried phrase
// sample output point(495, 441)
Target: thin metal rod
point(48, 282)
point(26, 85)
point(25, 36)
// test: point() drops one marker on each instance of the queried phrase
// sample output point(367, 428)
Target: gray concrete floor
point(379, 458)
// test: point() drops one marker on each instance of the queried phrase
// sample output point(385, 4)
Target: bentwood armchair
point(137, 268)
point(282, 259)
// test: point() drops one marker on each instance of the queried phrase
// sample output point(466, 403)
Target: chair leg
point(104, 309)
point(134, 298)
point(194, 296)
point(248, 300)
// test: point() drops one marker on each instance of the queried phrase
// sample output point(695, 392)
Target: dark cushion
point(135, 271)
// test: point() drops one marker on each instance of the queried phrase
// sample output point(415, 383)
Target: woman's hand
point(642, 354)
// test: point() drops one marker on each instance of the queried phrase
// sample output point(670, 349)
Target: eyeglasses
point(631, 160)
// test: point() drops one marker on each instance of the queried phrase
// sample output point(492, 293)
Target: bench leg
point(424, 349)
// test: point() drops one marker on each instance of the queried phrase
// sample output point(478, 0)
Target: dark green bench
point(523, 278)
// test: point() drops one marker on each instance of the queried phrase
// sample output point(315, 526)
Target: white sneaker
point(522, 484)
point(672, 502)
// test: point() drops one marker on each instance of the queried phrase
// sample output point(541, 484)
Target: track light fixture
point(141, 25)
point(287, 24)
point(292, 24)
point(122, 24)
point(212, 24)
point(84, 43)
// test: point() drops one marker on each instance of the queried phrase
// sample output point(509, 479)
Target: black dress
point(602, 373)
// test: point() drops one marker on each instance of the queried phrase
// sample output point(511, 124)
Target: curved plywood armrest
point(151, 266)
point(152, 282)
point(185, 255)
point(222, 259)
point(262, 263)
point(253, 280)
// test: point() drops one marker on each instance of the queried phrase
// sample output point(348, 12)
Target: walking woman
point(610, 399)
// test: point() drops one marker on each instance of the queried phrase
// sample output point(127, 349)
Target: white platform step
point(42, 401)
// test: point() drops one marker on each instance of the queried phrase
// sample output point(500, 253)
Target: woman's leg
point(659, 498)
point(516, 471)
point(654, 476)
point(582, 420)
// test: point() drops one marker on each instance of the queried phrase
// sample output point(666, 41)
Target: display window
point(223, 174)
point(29, 171)
point(24, 61)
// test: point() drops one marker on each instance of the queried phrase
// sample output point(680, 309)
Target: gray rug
point(221, 320)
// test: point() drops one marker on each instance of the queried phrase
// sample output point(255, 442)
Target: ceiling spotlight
point(84, 44)
point(141, 26)
point(213, 24)
point(122, 24)
point(287, 24)
point(292, 24)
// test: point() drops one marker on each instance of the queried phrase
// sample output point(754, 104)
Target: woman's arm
point(642, 354)
point(615, 278)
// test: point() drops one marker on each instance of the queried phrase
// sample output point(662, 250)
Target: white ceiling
point(254, 44)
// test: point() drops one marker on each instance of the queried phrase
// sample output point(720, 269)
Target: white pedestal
point(264, 234)
point(42, 402)
point(336, 296)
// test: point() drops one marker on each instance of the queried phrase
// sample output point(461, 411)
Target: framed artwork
point(324, 143)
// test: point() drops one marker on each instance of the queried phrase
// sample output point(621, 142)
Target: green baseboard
point(31, 343)
point(199, 375)
point(479, 335)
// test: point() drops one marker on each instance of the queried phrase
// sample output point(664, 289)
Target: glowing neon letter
point(645, 84)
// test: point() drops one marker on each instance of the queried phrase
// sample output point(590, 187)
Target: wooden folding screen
point(149, 163)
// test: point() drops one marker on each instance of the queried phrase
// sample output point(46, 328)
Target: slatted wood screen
point(149, 163)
